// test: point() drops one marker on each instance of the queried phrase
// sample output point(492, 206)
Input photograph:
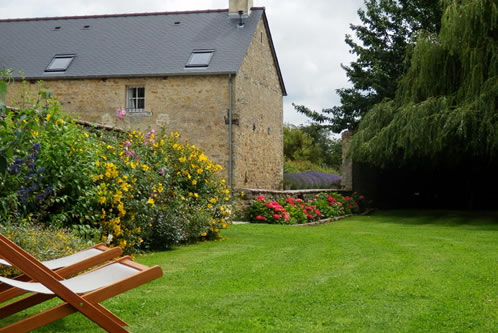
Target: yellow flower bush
point(154, 191)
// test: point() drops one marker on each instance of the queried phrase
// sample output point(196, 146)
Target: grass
point(389, 272)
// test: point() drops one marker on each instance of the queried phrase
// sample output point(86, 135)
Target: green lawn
point(388, 272)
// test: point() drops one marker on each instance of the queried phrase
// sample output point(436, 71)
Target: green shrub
point(44, 243)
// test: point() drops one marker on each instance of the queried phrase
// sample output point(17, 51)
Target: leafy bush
point(47, 161)
point(44, 243)
point(297, 211)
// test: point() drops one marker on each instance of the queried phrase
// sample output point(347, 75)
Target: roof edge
point(118, 15)
point(120, 76)
point(274, 54)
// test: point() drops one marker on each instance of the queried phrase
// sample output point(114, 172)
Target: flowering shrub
point(267, 211)
point(153, 188)
point(130, 189)
point(297, 211)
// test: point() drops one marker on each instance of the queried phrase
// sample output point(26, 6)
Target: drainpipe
point(230, 134)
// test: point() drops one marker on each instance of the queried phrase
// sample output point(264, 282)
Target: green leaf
point(3, 164)
point(3, 90)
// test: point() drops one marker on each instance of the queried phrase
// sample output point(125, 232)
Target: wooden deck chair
point(80, 294)
point(65, 266)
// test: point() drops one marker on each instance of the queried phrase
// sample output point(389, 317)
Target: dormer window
point(200, 58)
point(60, 63)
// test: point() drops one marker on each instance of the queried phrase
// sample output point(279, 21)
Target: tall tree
point(446, 106)
point(386, 32)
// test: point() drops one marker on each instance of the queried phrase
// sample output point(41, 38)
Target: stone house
point(212, 75)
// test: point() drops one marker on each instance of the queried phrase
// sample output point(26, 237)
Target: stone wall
point(258, 106)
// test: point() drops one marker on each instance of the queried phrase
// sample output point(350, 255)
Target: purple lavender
point(313, 179)
point(33, 178)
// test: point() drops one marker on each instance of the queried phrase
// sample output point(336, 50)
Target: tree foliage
point(385, 35)
point(311, 143)
point(446, 104)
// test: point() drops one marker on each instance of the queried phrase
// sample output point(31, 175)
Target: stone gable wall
point(258, 105)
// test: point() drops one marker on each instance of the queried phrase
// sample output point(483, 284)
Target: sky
point(308, 36)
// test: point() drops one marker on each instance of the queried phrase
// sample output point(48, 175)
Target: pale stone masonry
point(198, 106)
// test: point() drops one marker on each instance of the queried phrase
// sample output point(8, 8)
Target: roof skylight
point(60, 63)
point(200, 58)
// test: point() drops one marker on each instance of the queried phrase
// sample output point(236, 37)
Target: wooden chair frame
point(7, 292)
point(87, 304)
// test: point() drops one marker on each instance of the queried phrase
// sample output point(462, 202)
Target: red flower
point(259, 217)
point(286, 216)
point(260, 198)
point(350, 207)
point(310, 217)
point(347, 198)
point(276, 216)
point(318, 213)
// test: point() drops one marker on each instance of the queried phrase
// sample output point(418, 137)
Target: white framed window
point(135, 99)
point(60, 63)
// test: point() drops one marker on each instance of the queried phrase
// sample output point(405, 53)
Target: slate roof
point(128, 45)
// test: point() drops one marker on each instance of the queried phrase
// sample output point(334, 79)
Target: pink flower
point(127, 143)
point(162, 172)
point(362, 197)
point(120, 113)
point(150, 133)
point(260, 198)
point(261, 218)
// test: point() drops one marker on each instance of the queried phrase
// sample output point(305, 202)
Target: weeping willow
point(446, 105)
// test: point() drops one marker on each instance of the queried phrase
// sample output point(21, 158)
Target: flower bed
point(298, 211)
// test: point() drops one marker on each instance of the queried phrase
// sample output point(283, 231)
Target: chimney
point(237, 6)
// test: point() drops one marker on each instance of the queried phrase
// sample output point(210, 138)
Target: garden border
point(314, 223)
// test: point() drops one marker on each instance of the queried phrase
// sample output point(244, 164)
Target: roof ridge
point(118, 15)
